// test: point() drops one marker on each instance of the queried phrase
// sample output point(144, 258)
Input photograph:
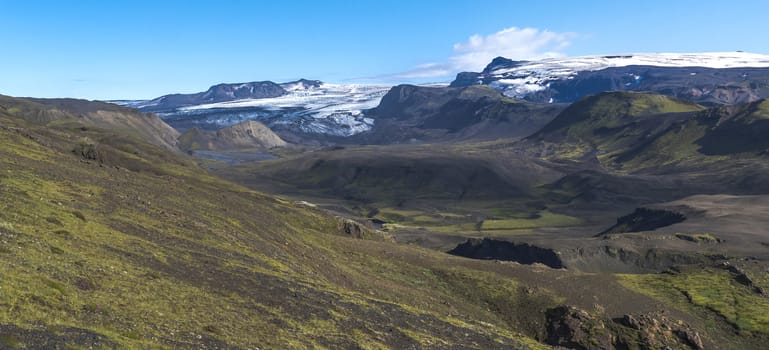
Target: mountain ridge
point(650, 132)
point(216, 93)
point(74, 113)
point(713, 78)
point(427, 113)
point(222, 92)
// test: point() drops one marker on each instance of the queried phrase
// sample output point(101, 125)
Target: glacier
point(328, 109)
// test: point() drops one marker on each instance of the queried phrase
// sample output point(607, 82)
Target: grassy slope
point(612, 110)
point(717, 297)
point(149, 251)
point(71, 113)
point(627, 132)
point(713, 136)
point(609, 123)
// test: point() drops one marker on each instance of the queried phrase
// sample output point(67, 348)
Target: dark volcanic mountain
point(709, 79)
point(442, 113)
point(301, 84)
point(216, 93)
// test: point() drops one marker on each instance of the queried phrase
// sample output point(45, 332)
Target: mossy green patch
point(714, 290)
point(542, 219)
point(762, 110)
point(10, 341)
point(614, 109)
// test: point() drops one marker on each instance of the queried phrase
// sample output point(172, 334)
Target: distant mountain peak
point(301, 84)
point(501, 62)
point(226, 92)
point(230, 92)
point(216, 93)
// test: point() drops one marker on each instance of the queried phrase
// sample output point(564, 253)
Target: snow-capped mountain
point(720, 77)
point(304, 106)
point(330, 109)
point(216, 93)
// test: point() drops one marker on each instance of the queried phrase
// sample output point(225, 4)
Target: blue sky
point(143, 49)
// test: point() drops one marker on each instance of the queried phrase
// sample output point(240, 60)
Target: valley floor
point(556, 207)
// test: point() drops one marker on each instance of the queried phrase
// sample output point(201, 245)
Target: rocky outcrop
point(88, 150)
point(351, 228)
point(617, 257)
point(523, 253)
point(573, 328)
point(645, 219)
point(741, 277)
point(603, 257)
point(354, 229)
point(658, 331)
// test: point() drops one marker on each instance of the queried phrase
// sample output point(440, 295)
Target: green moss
point(675, 146)
point(424, 339)
point(6, 225)
point(397, 215)
point(544, 219)
point(614, 109)
point(571, 151)
point(714, 290)
point(624, 129)
point(10, 341)
point(762, 110)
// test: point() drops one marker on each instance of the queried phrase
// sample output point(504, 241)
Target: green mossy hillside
point(611, 110)
point(717, 291)
point(140, 248)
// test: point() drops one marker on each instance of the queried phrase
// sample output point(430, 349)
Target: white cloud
point(513, 43)
point(475, 53)
point(427, 70)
